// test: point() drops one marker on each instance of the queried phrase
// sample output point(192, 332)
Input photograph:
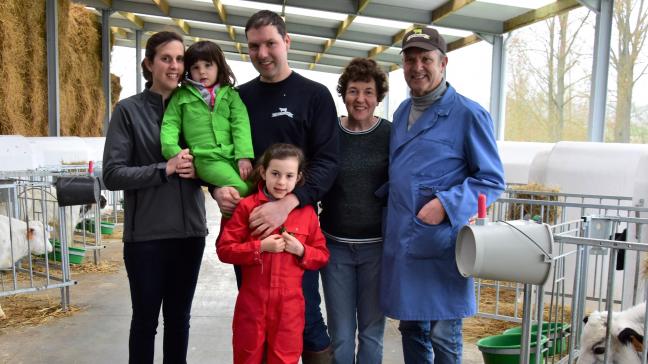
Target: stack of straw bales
point(23, 60)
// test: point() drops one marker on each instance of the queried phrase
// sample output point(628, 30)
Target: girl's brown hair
point(209, 52)
point(279, 151)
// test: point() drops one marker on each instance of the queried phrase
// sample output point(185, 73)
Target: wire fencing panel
point(27, 239)
point(599, 244)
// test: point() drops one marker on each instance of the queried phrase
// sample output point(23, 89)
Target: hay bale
point(548, 214)
point(115, 89)
point(23, 94)
point(82, 101)
point(37, 78)
point(13, 56)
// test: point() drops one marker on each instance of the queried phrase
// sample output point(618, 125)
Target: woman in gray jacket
point(164, 223)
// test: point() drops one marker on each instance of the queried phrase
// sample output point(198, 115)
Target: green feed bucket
point(106, 227)
point(505, 349)
point(555, 331)
point(75, 255)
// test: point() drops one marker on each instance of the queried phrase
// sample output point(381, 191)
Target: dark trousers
point(162, 273)
point(316, 337)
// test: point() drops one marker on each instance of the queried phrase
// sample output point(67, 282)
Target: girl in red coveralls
point(269, 313)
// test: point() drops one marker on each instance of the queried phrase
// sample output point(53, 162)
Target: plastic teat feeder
point(481, 210)
point(514, 251)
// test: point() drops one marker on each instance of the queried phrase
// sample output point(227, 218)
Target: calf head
point(625, 342)
point(38, 236)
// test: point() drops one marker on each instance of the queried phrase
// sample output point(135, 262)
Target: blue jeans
point(438, 342)
point(161, 273)
point(316, 337)
point(351, 283)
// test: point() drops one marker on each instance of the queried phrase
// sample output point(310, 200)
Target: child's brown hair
point(209, 52)
point(279, 151)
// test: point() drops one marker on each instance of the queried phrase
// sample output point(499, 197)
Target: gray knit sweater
point(351, 211)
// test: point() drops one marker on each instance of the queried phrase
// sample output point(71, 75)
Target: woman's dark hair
point(279, 151)
point(364, 70)
point(263, 18)
point(209, 52)
point(152, 45)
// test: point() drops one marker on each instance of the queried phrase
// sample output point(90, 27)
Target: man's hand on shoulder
point(432, 213)
point(266, 218)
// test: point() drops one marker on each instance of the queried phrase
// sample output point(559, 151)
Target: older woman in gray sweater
point(352, 215)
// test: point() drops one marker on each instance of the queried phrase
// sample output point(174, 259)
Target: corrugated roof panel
point(319, 26)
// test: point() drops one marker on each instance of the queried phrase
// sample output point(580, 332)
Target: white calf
point(626, 336)
point(37, 236)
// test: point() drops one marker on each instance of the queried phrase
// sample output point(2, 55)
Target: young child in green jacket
point(212, 119)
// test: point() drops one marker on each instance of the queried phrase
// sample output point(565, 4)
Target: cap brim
point(423, 45)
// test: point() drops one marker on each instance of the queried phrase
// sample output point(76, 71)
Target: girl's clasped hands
point(277, 243)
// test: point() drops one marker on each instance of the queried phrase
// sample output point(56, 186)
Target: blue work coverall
point(449, 153)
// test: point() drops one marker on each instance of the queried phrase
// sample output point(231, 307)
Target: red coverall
point(269, 312)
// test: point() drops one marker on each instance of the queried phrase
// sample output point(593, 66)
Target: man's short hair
point(264, 18)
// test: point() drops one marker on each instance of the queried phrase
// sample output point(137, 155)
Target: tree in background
point(631, 18)
point(639, 126)
point(562, 57)
point(547, 75)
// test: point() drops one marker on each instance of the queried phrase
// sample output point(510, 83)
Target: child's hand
point(293, 245)
point(245, 168)
point(182, 164)
point(273, 244)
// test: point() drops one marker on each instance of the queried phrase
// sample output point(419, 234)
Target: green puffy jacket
point(225, 131)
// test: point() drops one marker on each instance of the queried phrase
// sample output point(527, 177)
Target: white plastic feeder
point(513, 251)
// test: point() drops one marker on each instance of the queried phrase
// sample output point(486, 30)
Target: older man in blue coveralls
point(442, 156)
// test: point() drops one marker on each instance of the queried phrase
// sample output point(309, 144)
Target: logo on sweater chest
point(283, 111)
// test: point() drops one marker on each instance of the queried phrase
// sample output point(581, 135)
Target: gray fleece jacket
point(156, 206)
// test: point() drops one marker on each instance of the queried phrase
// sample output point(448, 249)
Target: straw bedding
point(30, 310)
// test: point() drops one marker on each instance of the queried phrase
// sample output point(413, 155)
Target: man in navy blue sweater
point(285, 107)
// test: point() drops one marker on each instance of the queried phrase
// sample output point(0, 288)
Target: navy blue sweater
point(300, 112)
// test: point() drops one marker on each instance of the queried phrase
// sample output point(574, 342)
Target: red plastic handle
point(481, 206)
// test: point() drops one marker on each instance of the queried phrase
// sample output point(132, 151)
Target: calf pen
point(598, 244)
point(30, 197)
point(33, 273)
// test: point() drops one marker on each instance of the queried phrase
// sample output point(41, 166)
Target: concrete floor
point(99, 332)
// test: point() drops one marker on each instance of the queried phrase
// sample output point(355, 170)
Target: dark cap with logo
point(425, 38)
